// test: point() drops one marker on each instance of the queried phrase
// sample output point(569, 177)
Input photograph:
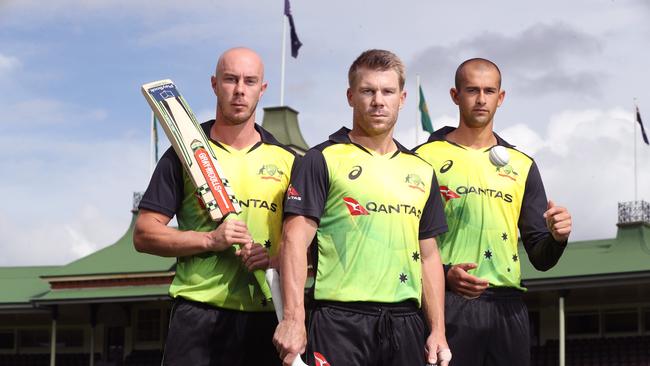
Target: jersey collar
point(441, 135)
point(342, 137)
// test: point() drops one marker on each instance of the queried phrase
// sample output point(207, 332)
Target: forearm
point(152, 235)
point(293, 269)
point(543, 251)
point(433, 289)
point(298, 231)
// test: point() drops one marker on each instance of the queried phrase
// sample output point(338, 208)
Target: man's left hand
point(558, 221)
point(254, 256)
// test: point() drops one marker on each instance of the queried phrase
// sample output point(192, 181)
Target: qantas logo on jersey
point(354, 207)
point(357, 208)
point(270, 171)
point(414, 181)
point(320, 360)
point(292, 194)
point(464, 190)
point(448, 193)
point(258, 203)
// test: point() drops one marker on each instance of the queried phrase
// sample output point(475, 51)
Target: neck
point(473, 137)
point(381, 144)
point(237, 136)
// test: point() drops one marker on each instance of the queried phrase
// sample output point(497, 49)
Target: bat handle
point(273, 279)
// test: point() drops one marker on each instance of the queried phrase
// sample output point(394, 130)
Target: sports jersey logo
point(292, 194)
point(355, 172)
point(414, 181)
point(448, 193)
point(354, 207)
point(445, 168)
point(488, 192)
point(270, 171)
point(507, 172)
point(320, 360)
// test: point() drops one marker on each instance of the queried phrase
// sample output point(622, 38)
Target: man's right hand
point(290, 339)
point(464, 283)
point(228, 233)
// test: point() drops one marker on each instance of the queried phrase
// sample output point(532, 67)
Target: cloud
point(8, 64)
point(586, 161)
point(66, 199)
point(541, 55)
point(48, 112)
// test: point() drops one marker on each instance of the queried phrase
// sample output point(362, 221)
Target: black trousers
point(490, 330)
point(366, 334)
point(203, 335)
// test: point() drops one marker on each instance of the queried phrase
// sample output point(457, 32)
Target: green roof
point(628, 253)
point(20, 284)
point(282, 122)
point(107, 294)
point(118, 258)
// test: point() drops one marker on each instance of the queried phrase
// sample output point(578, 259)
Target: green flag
point(424, 114)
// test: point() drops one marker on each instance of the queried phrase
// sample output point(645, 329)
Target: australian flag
point(643, 134)
point(295, 42)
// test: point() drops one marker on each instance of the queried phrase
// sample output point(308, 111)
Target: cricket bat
point(193, 149)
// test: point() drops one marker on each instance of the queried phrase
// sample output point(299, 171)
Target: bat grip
point(273, 279)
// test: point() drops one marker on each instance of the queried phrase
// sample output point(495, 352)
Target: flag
point(643, 134)
point(425, 119)
point(295, 42)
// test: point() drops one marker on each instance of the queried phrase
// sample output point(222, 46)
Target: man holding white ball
point(490, 190)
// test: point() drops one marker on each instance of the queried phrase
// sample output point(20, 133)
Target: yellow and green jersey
point(259, 176)
point(372, 211)
point(485, 205)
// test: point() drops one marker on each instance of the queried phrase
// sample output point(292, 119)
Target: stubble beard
point(236, 118)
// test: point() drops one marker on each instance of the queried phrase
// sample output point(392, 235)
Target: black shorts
point(203, 335)
point(490, 330)
point(368, 334)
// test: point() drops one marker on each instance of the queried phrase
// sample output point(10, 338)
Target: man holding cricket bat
point(220, 316)
point(375, 209)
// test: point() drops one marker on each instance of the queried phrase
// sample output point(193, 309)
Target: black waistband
point(502, 293)
point(372, 308)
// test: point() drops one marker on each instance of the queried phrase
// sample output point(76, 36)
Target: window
point(7, 340)
point(35, 338)
point(621, 321)
point(148, 325)
point(70, 337)
point(582, 323)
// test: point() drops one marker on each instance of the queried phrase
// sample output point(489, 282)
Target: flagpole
point(419, 113)
point(284, 56)
point(635, 172)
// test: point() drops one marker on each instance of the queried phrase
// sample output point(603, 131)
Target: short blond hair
point(380, 60)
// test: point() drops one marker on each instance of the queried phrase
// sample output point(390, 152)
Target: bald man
point(220, 316)
point(490, 190)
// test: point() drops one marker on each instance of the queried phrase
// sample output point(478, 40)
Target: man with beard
point(375, 209)
point(219, 312)
point(490, 190)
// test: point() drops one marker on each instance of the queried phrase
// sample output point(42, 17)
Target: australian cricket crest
point(414, 181)
point(270, 171)
point(507, 171)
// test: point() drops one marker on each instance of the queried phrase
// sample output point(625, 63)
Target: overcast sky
point(74, 128)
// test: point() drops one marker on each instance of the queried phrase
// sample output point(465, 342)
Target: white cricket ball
point(499, 155)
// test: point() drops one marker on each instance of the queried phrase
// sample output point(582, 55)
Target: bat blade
point(192, 147)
